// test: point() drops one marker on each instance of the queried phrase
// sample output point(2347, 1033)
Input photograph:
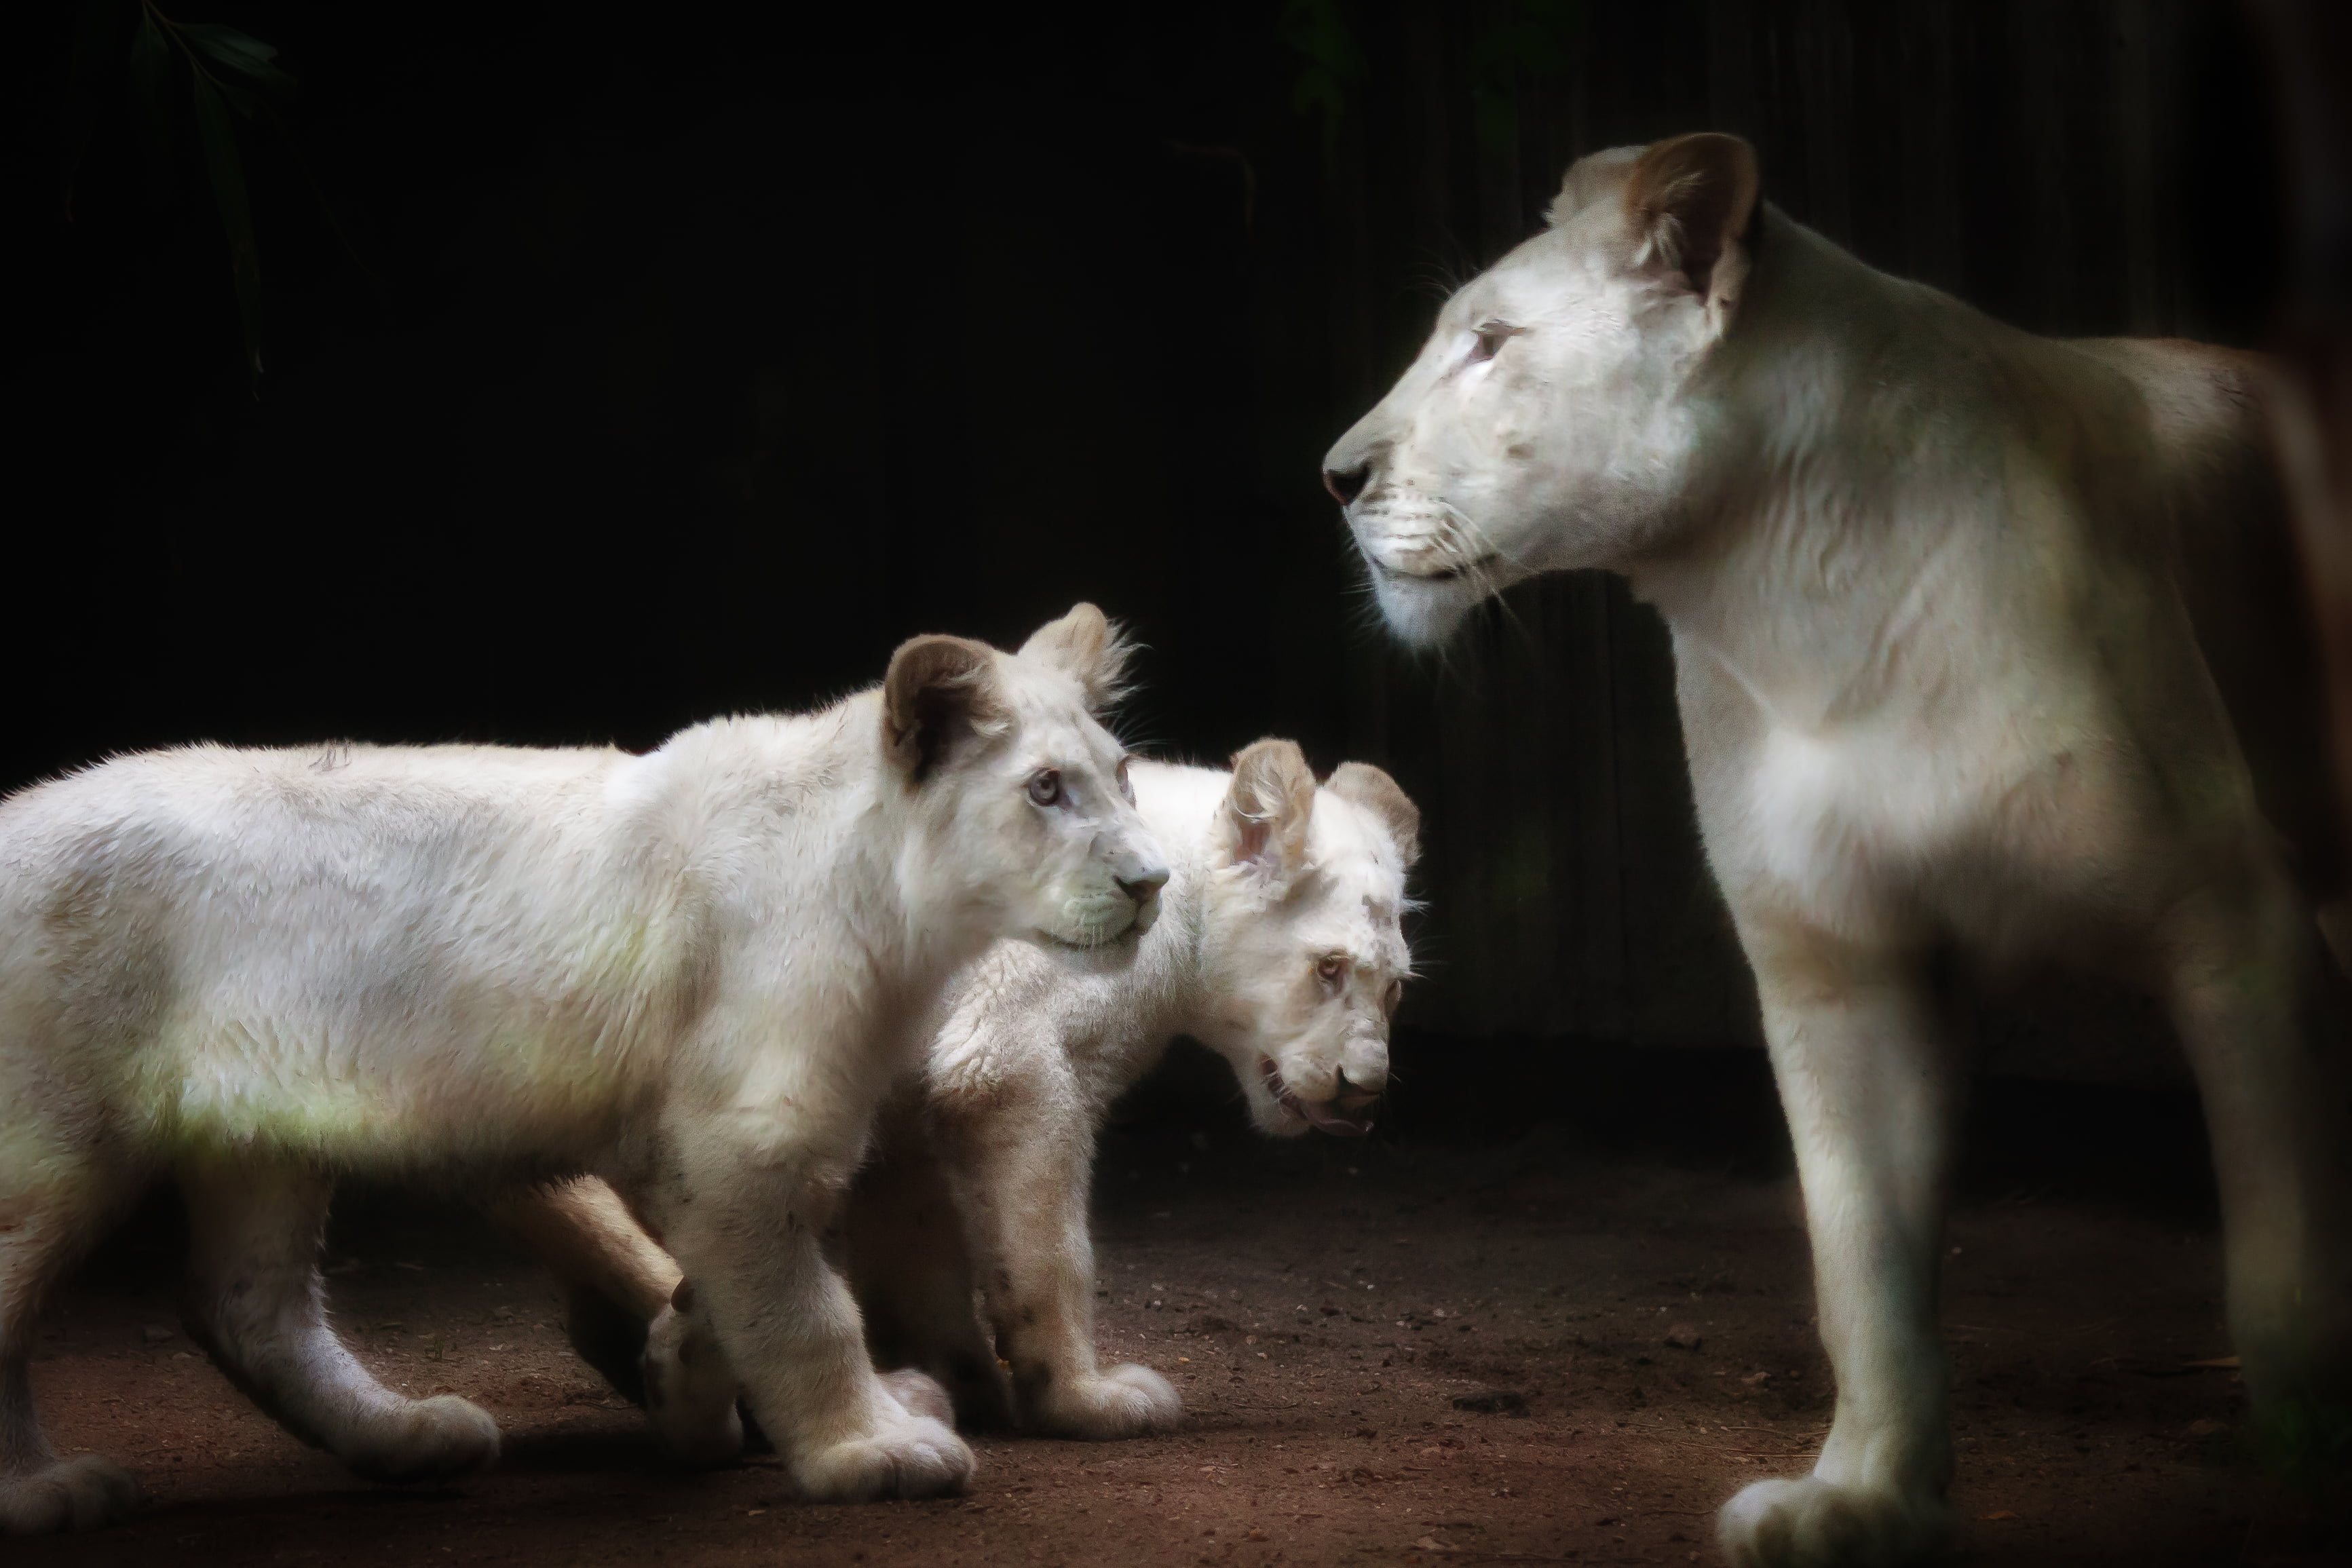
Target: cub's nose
point(1347, 483)
point(1144, 884)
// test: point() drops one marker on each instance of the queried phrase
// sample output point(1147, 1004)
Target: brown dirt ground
point(1322, 1306)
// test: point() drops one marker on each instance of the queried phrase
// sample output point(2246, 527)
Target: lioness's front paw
point(1124, 1402)
point(1809, 1523)
point(81, 1493)
point(424, 1440)
point(908, 1456)
point(690, 1390)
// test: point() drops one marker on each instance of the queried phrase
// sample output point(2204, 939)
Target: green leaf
point(228, 172)
point(232, 50)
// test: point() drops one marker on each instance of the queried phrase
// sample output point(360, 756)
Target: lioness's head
point(1301, 941)
point(1027, 824)
point(1549, 422)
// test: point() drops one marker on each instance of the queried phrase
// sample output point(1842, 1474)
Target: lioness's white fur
point(689, 972)
point(1941, 689)
point(1278, 945)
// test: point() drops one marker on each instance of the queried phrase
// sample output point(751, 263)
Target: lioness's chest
point(1878, 831)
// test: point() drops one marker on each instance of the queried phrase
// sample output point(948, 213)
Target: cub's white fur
point(1279, 945)
point(1941, 690)
point(690, 972)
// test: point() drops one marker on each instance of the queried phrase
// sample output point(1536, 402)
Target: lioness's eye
point(1332, 969)
point(1125, 787)
point(1490, 336)
point(1045, 786)
point(1392, 997)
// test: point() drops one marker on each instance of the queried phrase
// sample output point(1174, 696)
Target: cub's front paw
point(81, 1493)
point(689, 1390)
point(1809, 1523)
point(906, 1455)
point(424, 1440)
point(1124, 1402)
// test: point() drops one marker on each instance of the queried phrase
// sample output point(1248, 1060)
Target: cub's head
point(1025, 825)
point(1549, 422)
point(1301, 943)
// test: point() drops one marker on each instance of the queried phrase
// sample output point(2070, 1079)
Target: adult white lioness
point(1279, 945)
point(689, 972)
point(1941, 688)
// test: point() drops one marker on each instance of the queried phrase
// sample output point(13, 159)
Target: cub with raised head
point(1279, 947)
point(691, 973)
point(1984, 643)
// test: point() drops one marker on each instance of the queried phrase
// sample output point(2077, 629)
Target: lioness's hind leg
point(2261, 1022)
point(40, 1232)
point(257, 1301)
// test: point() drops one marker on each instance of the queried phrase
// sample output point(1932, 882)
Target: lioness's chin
point(1422, 611)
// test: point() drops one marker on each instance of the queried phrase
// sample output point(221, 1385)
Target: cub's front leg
point(1020, 1158)
point(744, 1221)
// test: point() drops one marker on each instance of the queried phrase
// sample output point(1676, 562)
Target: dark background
point(626, 365)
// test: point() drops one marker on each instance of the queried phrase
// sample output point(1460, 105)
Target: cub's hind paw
point(1809, 1523)
point(1126, 1401)
point(920, 1395)
point(909, 1457)
point(424, 1440)
point(81, 1493)
point(690, 1390)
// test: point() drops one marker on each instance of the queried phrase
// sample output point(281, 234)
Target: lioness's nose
point(1144, 884)
point(1347, 483)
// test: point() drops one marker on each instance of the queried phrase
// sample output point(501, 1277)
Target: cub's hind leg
point(629, 1313)
point(256, 1300)
point(45, 1223)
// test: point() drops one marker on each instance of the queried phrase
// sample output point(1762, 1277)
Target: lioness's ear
point(1085, 646)
point(1262, 823)
point(1588, 179)
point(1690, 201)
point(940, 690)
point(1375, 791)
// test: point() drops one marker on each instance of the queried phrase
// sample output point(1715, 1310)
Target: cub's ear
point(1690, 201)
point(1085, 645)
point(1371, 788)
point(1262, 823)
point(940, 690)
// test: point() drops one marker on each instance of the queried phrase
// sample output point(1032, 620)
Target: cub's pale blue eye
point(1125, 787)
point(1045, 786)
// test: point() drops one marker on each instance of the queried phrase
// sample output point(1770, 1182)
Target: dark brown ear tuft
point(1263, 821)
point(1085, 643)
point(1690, 200)
point(1364, 785)
point(940, 690)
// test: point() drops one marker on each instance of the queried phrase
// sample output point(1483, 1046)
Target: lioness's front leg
point(1020, 1160)
point(1870, 1095)
point(744, 1226)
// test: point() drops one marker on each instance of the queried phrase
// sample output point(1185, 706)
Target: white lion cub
point(688, 972)
point(1280, 946)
